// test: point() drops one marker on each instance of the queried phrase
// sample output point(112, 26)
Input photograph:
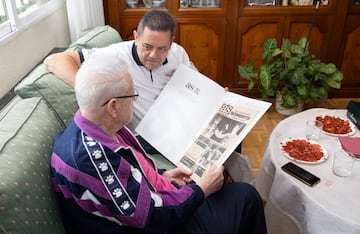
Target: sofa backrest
point(27, 199)
point(59, 96)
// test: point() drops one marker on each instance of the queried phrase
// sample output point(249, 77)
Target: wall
point(20, 54)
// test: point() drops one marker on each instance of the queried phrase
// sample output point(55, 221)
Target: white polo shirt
point(148, 83)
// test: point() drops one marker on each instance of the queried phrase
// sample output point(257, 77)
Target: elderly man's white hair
point(98, 79)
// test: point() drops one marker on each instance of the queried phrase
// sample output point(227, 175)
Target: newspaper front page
point(221, 134)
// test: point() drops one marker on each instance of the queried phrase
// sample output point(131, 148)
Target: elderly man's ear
point(112, 108)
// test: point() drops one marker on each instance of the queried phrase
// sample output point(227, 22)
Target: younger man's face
point(153, 47)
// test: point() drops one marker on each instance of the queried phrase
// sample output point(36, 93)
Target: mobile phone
point(301, 174)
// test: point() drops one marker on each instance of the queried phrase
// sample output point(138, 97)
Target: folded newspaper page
point(195, 122)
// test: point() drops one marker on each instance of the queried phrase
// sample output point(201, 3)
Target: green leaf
point(270, 44)
point(296, 49)
point(247, 72)
point(302, 43)
point(323, 93)
point(269, 50)
point(338, 76)
point(265, 77)
point(251, 85)
point(289, 101)
point(286, 48)
point(267, 92)
point(328, 68)
point(314, 94)
point(302, 90)
point(334, 81)
point(298, 77)
point(276, 52)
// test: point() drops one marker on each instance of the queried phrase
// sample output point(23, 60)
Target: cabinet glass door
point(145, 3)
point(285, 2)
point(199, 3)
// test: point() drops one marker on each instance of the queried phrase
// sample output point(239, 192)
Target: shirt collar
point(102, 137)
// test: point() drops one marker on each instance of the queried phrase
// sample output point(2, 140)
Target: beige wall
point(20, 54)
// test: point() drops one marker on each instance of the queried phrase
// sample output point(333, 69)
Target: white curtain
point(83, 14)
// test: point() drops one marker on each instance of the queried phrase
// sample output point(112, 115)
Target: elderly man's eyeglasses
point(135, 96)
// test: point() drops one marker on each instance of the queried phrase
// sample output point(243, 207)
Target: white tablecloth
point(332, 206)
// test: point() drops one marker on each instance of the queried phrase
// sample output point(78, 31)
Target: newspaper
point(196, 123)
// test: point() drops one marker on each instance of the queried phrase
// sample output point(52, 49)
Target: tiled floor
point(254, 143)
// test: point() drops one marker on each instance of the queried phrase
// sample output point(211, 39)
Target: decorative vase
point(147, 3)
point(287, 111)
point(285, 2)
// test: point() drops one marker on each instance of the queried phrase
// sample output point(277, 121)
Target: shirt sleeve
point(111, 51)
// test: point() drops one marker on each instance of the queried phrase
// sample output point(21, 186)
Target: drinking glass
point(313, 129)
point(343, 163)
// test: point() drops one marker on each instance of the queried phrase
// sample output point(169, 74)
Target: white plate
point(322, 159)
point(352, 127)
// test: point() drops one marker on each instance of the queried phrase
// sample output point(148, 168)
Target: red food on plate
point(334, 125)
point(303, 150)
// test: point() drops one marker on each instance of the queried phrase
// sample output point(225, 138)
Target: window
point(3, 12)
point(4, 19)
point(25, 6)
point(16, 15)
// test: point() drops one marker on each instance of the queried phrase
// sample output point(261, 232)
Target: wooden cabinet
point(204, 41)
point(349, 53)
point(220, 38)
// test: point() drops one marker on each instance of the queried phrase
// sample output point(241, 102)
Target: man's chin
point(152, 66)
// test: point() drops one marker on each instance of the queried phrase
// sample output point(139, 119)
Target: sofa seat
point(27, 201)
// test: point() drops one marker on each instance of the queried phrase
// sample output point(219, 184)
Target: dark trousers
point(236, 208)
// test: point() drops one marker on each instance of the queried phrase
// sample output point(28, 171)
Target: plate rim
point(323, 159)
point(352, 126)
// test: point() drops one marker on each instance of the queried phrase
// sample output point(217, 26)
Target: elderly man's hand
point(212, 180)
point(180, 175)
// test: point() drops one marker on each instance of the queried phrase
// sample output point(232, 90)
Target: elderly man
point(107, 184)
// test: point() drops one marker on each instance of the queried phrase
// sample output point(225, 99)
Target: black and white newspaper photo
point(222, 133)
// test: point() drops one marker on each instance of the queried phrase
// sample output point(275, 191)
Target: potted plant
point(292, 73)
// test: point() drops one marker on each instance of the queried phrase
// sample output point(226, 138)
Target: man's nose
point(154, 53)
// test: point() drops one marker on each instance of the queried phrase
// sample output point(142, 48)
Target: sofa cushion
point(96, 37)
point(27, 199)
point(59, 96)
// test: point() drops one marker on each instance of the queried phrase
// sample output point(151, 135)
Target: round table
point(332, 206)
